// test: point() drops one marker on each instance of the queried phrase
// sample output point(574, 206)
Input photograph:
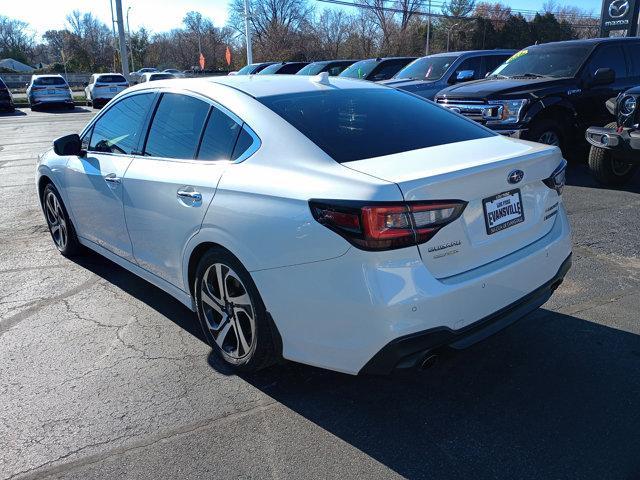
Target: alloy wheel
point(228, 311)
point(550, 138)
point(56, 220)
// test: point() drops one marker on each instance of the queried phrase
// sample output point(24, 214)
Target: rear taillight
point(385, 226)
point(557, 179)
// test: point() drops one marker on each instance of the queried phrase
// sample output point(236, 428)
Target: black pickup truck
point(615, 148)
point(551, 93)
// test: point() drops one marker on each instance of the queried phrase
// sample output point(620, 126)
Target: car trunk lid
point(476, 172)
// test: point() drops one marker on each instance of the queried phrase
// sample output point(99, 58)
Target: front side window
point(387, 69)
point(176, 127)
point(118, 130)
point(219, 137)
point(470, 64)
point(609, 56)
point(559, 61)
point(353, 124)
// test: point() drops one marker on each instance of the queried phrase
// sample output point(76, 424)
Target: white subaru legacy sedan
point(329, 221)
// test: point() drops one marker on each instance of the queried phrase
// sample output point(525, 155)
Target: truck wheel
point(606, 169)
point(547, 132)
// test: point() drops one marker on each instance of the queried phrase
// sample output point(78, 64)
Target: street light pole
point(247, 31)
point(133, 67)
point(123, 43)
point(428, 29)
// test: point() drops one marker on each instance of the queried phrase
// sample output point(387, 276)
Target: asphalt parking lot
point(105, 376)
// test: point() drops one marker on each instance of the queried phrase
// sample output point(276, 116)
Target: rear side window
point(219, 137)
point(118, 130)
point(176, 127)
point(609, 56)
point(111, 79)
point(352, 124)
point(245, 140)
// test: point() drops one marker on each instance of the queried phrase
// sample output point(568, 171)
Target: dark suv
point(551, 93)
point(426, 76)
point(615, 148)
point(6, 100)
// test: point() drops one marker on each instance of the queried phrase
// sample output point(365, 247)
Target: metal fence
point(19, 80)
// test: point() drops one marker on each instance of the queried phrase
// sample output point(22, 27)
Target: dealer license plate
point(503, 211)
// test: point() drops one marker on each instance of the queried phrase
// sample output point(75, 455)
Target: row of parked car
point(550, 93)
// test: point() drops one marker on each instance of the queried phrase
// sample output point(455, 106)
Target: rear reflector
point(385, 226)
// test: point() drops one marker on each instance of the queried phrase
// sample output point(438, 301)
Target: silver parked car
point(49, 89)
point(102, 87)
point(151, 76)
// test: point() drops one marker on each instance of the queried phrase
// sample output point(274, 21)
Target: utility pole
point(123, 42)
point(247, 31)
point(133, 67)
point(113, 27)
point(428, 29)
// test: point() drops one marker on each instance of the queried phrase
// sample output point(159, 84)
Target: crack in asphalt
point(52, 468)
point(10, 322)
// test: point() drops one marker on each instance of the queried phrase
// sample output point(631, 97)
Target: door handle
point(112, 178)
point(195, 196)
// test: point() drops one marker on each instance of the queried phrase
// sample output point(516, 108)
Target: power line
point(437, 15)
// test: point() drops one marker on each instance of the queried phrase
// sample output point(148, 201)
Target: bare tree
point(16, 40)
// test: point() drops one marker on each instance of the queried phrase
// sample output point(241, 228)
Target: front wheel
point(608, 170)
point(548, 132)
point(60, 226)
point(231, 312)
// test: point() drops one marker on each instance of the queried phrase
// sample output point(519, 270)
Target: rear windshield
point(111, 79)
point(352, 124)
point(161, 76)
point(49, 81)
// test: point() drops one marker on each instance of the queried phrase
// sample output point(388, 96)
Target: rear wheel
point(231, 312)
point(60, 226)
point(608, 170)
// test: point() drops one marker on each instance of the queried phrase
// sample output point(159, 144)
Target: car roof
point(472, 53)
point(258, 86)
point(588, 41)
point(48, 75)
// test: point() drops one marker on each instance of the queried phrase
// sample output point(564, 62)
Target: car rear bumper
point(409, 351)
point(340, 313)
point(51, 99)
point(625, 143)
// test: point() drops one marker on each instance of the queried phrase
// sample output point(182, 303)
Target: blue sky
point(161, 15)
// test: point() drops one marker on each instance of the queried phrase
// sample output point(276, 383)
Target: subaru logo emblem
point(618, 8)
point(515, 176)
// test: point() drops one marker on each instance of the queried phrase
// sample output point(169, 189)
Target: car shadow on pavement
point(578, 175)
point(135, 286)
point(16, 113)
point(58, 109)
point(551, 397)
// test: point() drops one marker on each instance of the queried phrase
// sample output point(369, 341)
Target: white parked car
point(335, 222)
point(49, 90)
point(102, 87)
point(153, 76)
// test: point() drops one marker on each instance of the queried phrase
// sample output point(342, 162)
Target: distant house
point(16, 66)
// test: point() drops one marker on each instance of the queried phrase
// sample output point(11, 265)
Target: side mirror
point(603, 76)
point(68, 145)
point(465, 75)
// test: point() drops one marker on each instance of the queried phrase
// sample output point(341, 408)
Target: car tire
point(606, 169)
point(58, 221)
point(240, 331)
point(548, 132)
